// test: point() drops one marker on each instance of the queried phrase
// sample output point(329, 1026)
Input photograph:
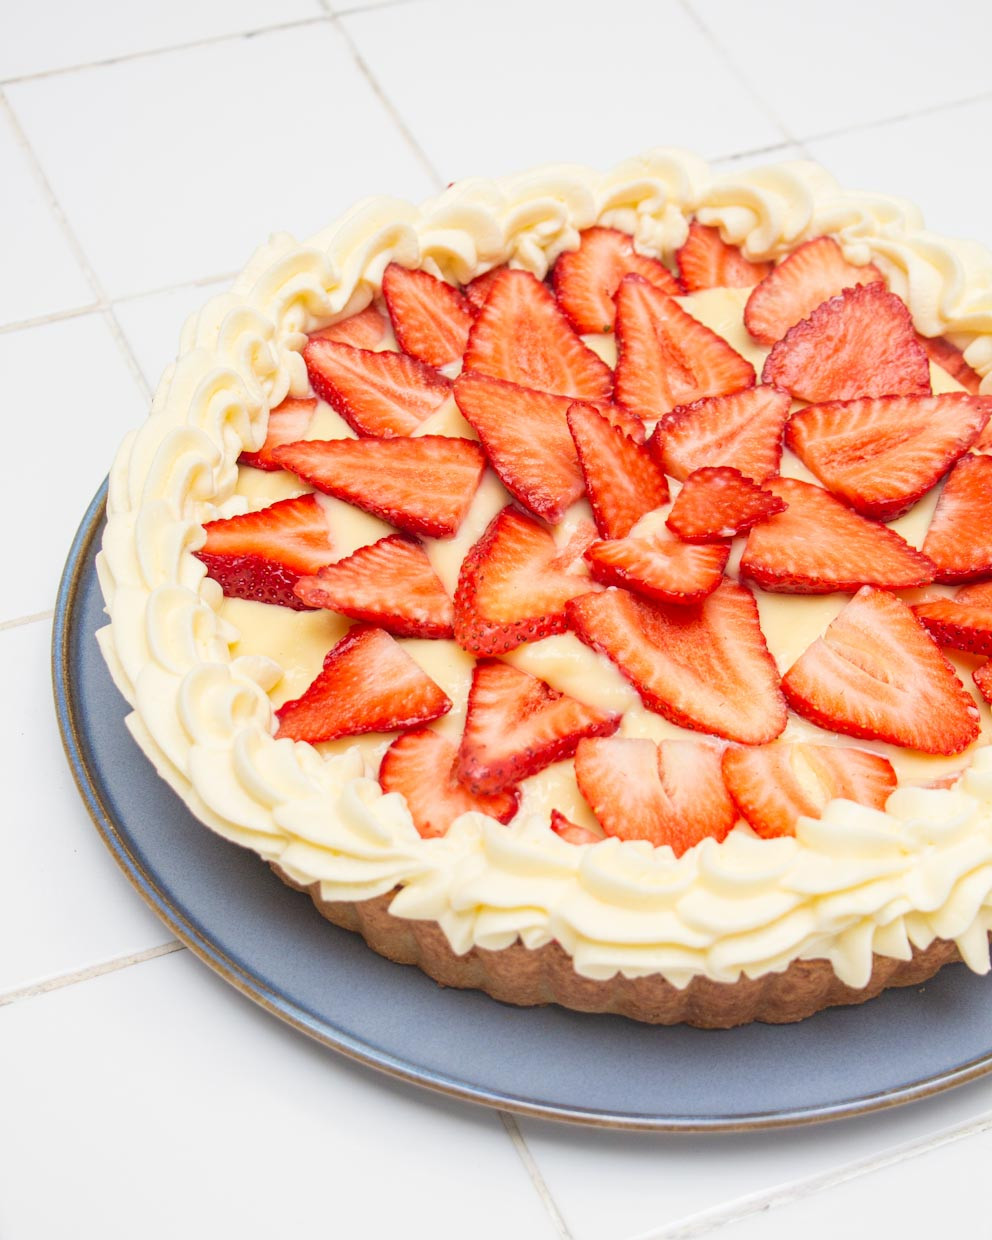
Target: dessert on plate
point(581, 586)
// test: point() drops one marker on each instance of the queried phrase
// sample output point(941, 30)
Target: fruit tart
point(581, 586)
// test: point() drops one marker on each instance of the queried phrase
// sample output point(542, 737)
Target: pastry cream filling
point(203, 674)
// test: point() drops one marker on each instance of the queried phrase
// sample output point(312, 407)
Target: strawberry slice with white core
point(389, 583)
point(622, 479)
point(363, 330)
point(585, 280)
point(881, 455)
point(950, 359)
point(287, 423)
point(526, 437)
point(982, 677)
point(773, 785)
point(431, 319)
point(378, 394)
point(707, 261)
point(719, 502)
point(963, 622)
point(877, 673)
point(859, 343)
point(514, 584)
point(742, 430)
point(261, 555)
point(670, 793)
point(517, 725)
point(521, 336)
point(666, 357)
point(959, 540)
point(420, 766)
point(817, 546)
point(368, 684)
point(423, 485)
point(704, 667)
point(570, 831)
point(812, 273)
point(477, 290)
point(658, 567)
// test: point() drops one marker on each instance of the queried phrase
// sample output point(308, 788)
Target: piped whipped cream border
point(855, 882)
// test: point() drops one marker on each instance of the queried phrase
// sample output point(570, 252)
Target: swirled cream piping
point(855, 882)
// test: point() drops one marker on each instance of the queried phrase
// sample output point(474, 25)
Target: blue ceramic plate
point(270, 943)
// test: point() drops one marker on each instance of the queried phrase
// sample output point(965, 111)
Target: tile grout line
point(537, 1179)
point(21, 621)
point(913, 114)
point(84, 975)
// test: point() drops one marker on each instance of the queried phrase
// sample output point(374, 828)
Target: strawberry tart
point(581, 586)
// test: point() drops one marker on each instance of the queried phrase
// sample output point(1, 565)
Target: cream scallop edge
point(855, 882)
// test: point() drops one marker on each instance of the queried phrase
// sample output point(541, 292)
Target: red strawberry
point(517, 725)
point(817, 546)
point(379, 394)
point(982, 677)
point(390, 583)
point(623, 481)
point(812, 273)
point(704, 667)
point(420, 766)
point(707, 261)
point(774, 784)
point(363, 330)
point(959, 540)
point(287, 423)
point(742, 429)
point(586, 280)
point(878, 674)
point(526, 437)
point(666, 357)
point(881, 455)
point(950, 359)
point(672, 793)
point(860, 343)
point(423, 485)
point(658, 567)
point(521, 336)
point(368, 684)
point(719, 502)
point(963, 622)
point(477, 290)
point(570, 831)
point(431, 319)
point(514, 584)
point(261, 555)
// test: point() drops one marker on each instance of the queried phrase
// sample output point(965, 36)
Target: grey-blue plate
point(270, 943)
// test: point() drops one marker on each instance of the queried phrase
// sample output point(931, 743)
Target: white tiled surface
point(144, 150)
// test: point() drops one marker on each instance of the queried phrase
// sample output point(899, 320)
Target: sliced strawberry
point(704, 667)
point(960, 622)
point(631, 425)
point(423, 485)
point(950, 359)
point(420, 766)
point(431, 319)
point(261, 555)
point(517, 725)
point(526, 437)
point(982, 676)
point(287, 423)
point(877, 673)
point(773, 785)
point(672, 793)
point(817, 546)
point(719, 502)
point(389, 583)
point(658, 567)
point(585, 280)
point(666, 357)
point(881, 455)
point(623, 481)
point(514, 584)
point(521, 336)
point(570, 831)
point(812, 273)
point(859, 343)
point(368, 684)
point(363, 330)
point(707, 261)
point(959, 540)
point(742, 429)
point(378, 394)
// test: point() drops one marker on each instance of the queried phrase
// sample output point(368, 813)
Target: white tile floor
point(144, 150)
